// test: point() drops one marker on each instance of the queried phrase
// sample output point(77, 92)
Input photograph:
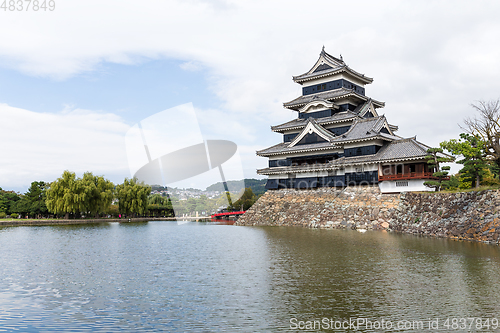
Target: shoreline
point(471, 216)
point(49, 222)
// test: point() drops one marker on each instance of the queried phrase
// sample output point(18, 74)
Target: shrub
point(489, 179)
point(2, 215)
point(14, 215)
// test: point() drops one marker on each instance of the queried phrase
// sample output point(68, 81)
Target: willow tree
point(132, 197)
point(90, 194)
point(158, 204)
point(97, 193)
point(61, 196)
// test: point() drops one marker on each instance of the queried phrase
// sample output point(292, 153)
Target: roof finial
point(341, 57)
point(323, 49)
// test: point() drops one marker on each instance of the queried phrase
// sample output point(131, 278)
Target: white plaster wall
point(366, 167)
point(389, 186)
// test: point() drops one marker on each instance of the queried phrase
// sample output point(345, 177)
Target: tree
point(70, 195)
point(434, 157)
point(132, 197)
point(486, 126)
point(61, 196)
point(97, 193)
point(472, 149)
point(32, 203)
point(36, 197)
point(157, 204)
point(8, 200)
point(246, 200)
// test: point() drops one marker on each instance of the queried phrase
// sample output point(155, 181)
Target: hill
point(257, 185)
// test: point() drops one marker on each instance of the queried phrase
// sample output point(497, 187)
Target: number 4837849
point(27, 5)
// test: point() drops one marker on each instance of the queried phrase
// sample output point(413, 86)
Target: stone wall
point(354, 207)
point(466, 215)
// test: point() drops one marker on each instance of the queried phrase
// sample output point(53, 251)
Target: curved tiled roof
point(366, 128)
point(396, 151)
point(329, 95)
point(334, 66)
point(363, 129)
point(283, 148)
point(300, 123)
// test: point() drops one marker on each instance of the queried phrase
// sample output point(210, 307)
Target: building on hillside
point(338, 138)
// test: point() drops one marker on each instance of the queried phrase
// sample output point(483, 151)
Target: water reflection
point(206, 277)
point(344, 274)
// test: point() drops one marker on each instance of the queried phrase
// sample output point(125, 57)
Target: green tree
point(246, 200)
point(472, 149)
point(36, 196)
point(32, 203)
point(61, 195)
point(434, 158)
point(97, 193)
point(191, 205)
point(8, 200)
point(70, 195)
point(159, 205)
point(132, 197)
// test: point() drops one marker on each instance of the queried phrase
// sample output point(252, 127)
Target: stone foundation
point(354, 207)
point(467, 215)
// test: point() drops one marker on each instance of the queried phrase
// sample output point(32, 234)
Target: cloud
point(191, 66)
point(40, 146)
point(430, 60)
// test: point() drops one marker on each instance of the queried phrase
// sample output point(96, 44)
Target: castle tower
point(338, 138)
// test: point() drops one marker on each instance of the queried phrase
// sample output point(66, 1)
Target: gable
point(310, 138)
point(322, 67)
point(317, 105)
point(368, 110)
point(312, 133)
point(326, 62)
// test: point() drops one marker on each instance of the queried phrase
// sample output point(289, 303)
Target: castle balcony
point(411, 175)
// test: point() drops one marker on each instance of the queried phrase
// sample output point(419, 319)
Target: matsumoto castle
point(339, 139)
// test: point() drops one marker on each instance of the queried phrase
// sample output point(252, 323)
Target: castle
point(338, 138)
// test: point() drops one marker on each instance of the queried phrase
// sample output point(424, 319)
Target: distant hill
point(257, 185)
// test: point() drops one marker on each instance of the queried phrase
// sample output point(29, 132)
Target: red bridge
point(227, 214)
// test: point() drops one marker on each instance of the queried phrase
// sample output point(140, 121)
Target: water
point(161, 276)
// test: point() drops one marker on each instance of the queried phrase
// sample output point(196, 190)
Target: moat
point(164, 276)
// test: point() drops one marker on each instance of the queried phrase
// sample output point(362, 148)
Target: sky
point(75, 80)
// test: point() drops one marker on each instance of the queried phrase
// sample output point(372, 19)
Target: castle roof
point(397, 151)
point(367, 128)
point(284, 148)
point(300, 123)
point(330, 95)
point(328, 65)
point(362, 129)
